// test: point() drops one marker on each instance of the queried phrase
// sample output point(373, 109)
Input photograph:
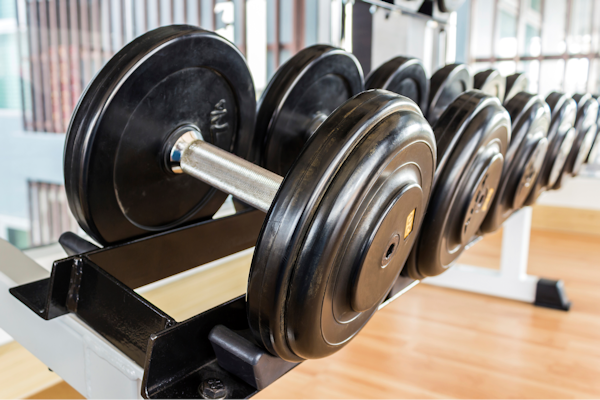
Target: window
point(555, 41)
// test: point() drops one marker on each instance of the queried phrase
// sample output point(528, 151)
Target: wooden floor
point(441, 343)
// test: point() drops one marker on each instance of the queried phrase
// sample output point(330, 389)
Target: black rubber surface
point(530, 117)
point(405, 76)
point(560, 140)
point(117, 185)
point(341, 226)
point(490, 82)
point(473, 136)
point(515, 83)
point(301, 94)
point(446, 85)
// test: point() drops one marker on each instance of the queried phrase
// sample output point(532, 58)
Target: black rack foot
point(551, 294)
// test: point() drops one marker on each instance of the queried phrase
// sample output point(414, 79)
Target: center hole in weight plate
point(390, 250)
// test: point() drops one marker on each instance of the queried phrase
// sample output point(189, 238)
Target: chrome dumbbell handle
point(225, 171)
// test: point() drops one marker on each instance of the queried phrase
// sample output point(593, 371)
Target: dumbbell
point(515, 83)
point(530, 116)
point(174, 107)
point(472, 135)
point(490, 82)
point(561, 135)
point(596, 146)
point(303, 92)
point(585, 133)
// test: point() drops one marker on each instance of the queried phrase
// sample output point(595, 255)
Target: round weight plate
point(303, 92)
point(341, 226)
point(446, 85)
point(560, 140)
point(587, 115)
point(117, 184)
point(584, 150)
point(530, 116)
point(515, 83)
point(449, 5)
point(490, 82)
point(472, 135)
point(402, 75)
point(592, 158)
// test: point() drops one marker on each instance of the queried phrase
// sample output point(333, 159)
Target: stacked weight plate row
point(548, 140)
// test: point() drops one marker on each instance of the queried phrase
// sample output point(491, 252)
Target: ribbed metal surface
point(231, 174)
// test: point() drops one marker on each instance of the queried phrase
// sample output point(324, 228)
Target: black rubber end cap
point(551, 294)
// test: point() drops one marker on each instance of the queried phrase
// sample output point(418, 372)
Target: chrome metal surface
point(231, 174)
point(174, 160)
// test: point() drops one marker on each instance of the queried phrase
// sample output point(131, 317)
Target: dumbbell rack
point(100, 344)
point(110, 342)
point(511, 281)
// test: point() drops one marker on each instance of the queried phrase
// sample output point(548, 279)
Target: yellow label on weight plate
point(487, 199)
point(410, 220)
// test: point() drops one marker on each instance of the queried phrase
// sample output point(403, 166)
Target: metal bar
point(231, 174)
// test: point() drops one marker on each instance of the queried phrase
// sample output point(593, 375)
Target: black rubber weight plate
point(585, 132)
point(405, 76)
point(560, 140)
point(446, 85)
point(530, 117)
point(473, 136)
point(515, 83)
point(490, 82)
point(117, 185)
point(303, 92)
point(350, 205)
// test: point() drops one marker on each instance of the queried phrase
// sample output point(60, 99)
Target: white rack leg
point(80, 356)
point(511, 281)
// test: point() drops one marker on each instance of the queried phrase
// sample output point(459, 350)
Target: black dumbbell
point(585, 133)
point(530, 116)
point(169, 113)
point(561, 135)
point(472, 134)
point(490, 82)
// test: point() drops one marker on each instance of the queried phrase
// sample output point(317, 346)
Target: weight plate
point(585, 132)
point(303, 92)
point(560, 140)
point(596, 146)
point(117, 185)
point(341, 226)
point(490, 82)
point(515, 83)
point(592, 158)
point(449, 5)
point(530, 116)
point(402, 75)
point(446, 85)
point(472, 136)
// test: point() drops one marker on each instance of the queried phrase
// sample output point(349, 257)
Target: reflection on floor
point(436, 342)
